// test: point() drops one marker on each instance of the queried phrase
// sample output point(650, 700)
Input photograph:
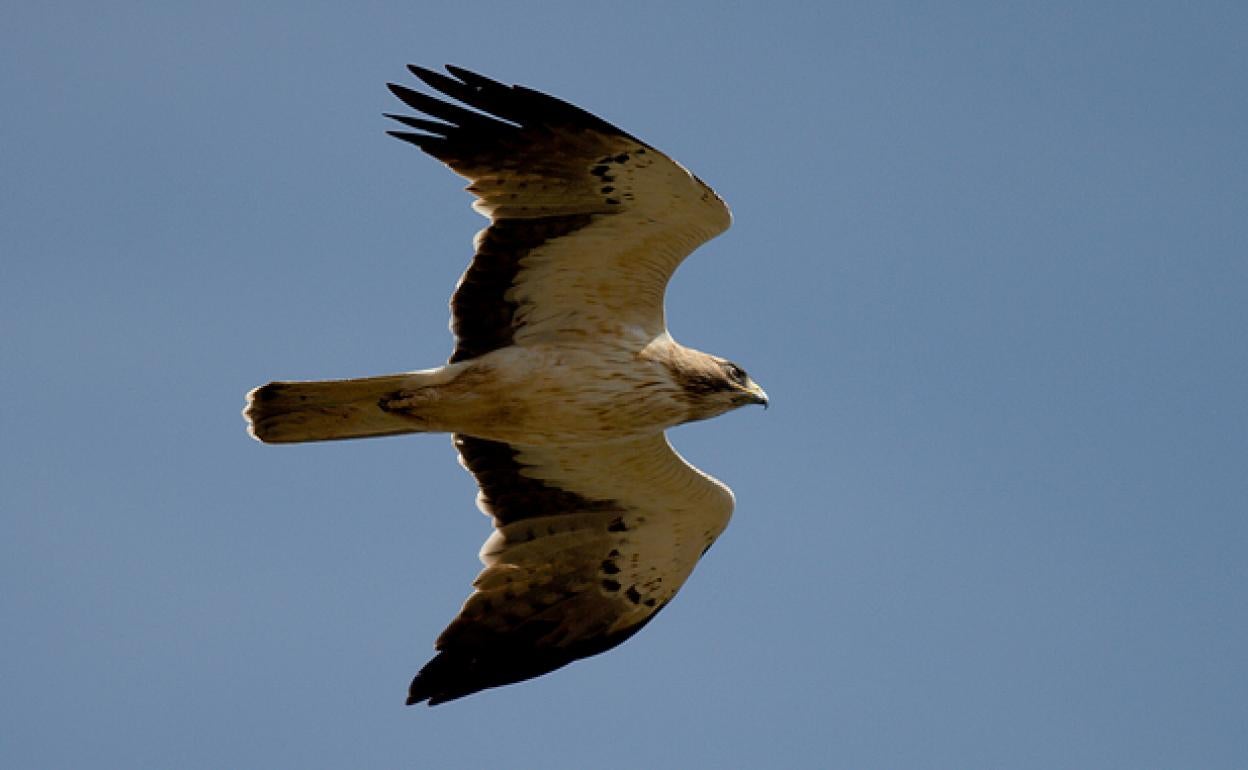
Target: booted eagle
point(561, 385)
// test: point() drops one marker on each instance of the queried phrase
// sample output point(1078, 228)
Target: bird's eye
point(737, 373)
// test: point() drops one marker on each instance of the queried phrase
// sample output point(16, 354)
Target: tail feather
point(288, 412)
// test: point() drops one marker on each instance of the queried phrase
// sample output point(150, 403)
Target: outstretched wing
point(591, 542)
point(587, 223)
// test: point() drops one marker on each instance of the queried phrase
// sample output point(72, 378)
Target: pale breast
point(538, 396)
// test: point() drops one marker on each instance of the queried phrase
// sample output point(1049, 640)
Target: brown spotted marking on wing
point(590, 543)
point(587, 222)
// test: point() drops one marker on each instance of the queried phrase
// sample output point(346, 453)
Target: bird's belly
point(563, 397)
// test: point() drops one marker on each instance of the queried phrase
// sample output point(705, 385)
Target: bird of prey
point(562, 381)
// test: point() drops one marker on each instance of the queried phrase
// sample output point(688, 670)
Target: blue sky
point(990, 261)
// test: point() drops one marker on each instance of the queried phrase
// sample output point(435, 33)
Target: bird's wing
point(591, 542)
point(587, 223)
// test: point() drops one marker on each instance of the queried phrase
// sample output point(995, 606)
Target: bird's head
point(715, 385)
point(740, 389)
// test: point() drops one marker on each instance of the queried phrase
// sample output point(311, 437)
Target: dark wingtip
point(497, 109)
point(473, 79)
point(423, 141)
point(432, 126)
point(457, 672)
point(435, 80)
point(422, 72)
point(444, 678)
point(403, 92)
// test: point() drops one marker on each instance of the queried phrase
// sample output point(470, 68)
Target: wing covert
point(588, 222)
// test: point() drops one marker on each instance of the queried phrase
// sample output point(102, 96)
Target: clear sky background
point(990, 261)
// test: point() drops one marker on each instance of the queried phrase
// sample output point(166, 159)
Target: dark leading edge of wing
point(509, 495)
point(511, 129)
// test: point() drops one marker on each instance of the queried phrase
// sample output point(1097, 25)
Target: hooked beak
point(757, 394)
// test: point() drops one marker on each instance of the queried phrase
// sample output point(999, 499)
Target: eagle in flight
point(561, 384)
